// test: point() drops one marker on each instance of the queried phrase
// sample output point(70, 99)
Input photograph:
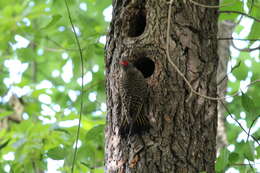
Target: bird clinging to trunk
point(134, 92)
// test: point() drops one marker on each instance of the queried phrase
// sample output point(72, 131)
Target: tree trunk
point(182, 137)
point(226, 29)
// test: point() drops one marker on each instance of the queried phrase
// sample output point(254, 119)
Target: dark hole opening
point(145, 65)
point(137, 24)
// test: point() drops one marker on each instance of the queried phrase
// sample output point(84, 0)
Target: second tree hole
point(137, 24)
point(145, 65)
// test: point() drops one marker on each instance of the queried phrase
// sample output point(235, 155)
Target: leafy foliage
point(243, 132)
point(37, 37)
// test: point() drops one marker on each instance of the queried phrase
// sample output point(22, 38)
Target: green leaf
point(4, 144)
point(95, 132)
point(239, 28)
point(249, 105)
point(254, 33)
point(57, 153)
point(241, 71)
point(222, 160)
point(86, 164)
point(55, 19)
point(19, 143)
point(255, 8)
point(5, 114)
point(249, 151)
point(246, 149)
point(62, 130)
point(234, 85)
point(26, 54)
point(36, 93)
point(234, 5)
point(258, 151)
point(233, 157)
point(41, 23)
point(232, 132)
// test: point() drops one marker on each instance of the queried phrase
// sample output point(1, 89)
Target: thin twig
point(211, 6)
point(243, 14)
point(251, 7)
point(50, 49)
point(245, 49)
point(82, 87)
point(241, 39)
point(63, 48)
point(255, 81)
point(249, 163)
point(60, 46)
point(251, 126)
point(232, 69)
point(244, 164)
point(240, 125)
point(93, 85)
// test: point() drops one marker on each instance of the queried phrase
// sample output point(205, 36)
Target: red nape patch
point(124, 63)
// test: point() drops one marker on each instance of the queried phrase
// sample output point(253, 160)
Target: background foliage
point(40, 64)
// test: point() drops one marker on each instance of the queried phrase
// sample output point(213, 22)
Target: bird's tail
point(138, 126)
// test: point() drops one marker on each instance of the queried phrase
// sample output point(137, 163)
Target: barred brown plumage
point(133, 91)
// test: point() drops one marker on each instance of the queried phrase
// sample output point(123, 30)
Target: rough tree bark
point(183, 134)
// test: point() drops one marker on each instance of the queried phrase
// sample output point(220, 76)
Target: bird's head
point(124, 63)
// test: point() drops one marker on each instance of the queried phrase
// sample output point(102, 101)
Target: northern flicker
point(133, 91)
